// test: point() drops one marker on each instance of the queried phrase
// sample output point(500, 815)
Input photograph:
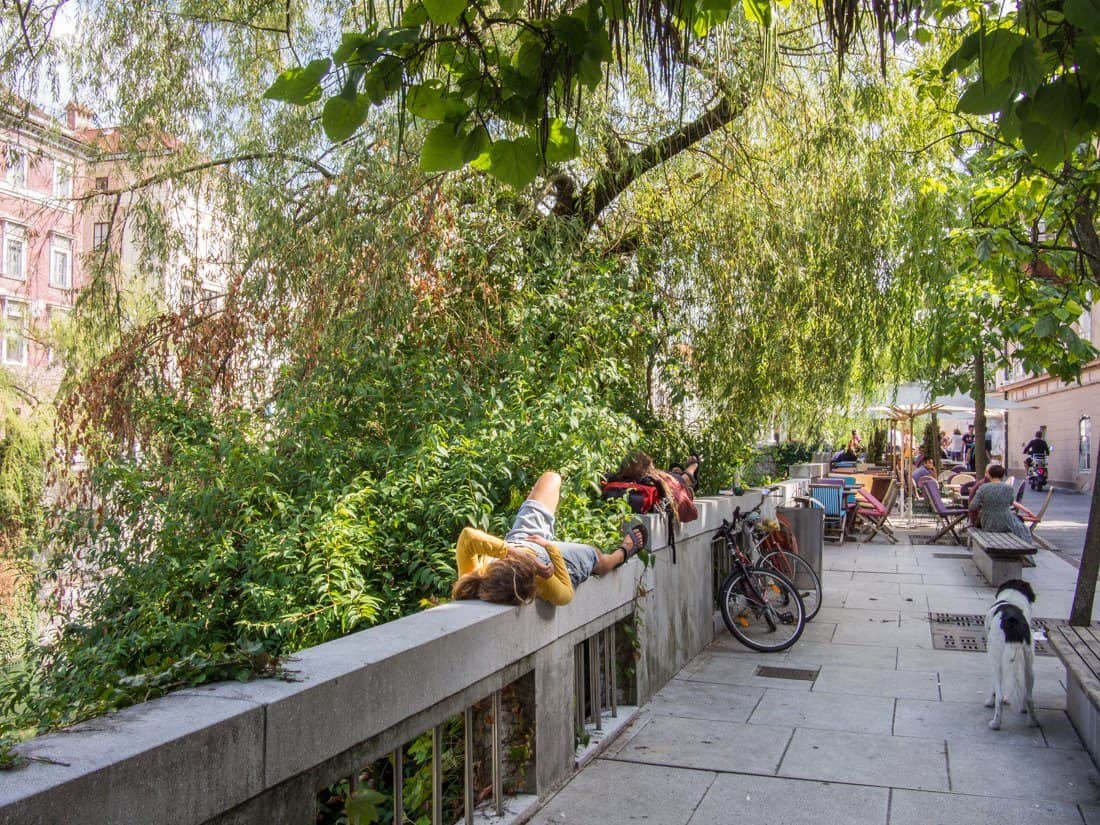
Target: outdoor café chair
point(831, 498)
point(1033, 521)
point(875, 513)
point(948, 517)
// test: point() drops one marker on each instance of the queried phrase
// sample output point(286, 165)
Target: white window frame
point(5, 333)
point(61, 243)
point(1085, 325)
point(9, 168)
point(62, 192)
point(1084, 444)
point(13, 231)
point(106, 237)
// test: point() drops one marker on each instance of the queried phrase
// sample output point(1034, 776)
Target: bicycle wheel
point(762, 609)
point(801, 574)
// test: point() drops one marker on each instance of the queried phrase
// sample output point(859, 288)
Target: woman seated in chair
point(994, 505)
point(529, 561)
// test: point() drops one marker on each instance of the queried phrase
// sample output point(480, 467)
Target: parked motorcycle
point(1037, 472)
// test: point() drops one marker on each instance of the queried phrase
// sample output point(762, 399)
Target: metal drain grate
point(957, 619)
point(951, 556)
point(786, 673)
point(966, 631)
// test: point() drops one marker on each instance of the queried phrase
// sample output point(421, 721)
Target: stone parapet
point(260, 751)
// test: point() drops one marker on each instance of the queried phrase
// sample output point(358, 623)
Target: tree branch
point(605, 187)
point(170, 174)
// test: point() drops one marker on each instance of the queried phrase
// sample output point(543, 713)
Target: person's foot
point(634, 540)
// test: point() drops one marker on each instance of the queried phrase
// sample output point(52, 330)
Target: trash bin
point(808, 526)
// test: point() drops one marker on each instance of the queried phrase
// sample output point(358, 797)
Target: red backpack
point(643, 498)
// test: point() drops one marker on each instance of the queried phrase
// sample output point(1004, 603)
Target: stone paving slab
point(615, 793)
point(911, 632)
point(840, 615)
point(858, 714)
point(704, 700)
point(707, 745)
point(961, 722)
point(956, 686)
point(737, 671)
point(927, 808)
point(751, 800)
point(817, 654)
point(867, 759)
point(1016, 771)
point(861, 681)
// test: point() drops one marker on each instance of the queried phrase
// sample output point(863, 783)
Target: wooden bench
point(1079, 650)
point(999, 556)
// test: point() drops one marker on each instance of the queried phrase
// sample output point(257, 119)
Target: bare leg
point(547, 491)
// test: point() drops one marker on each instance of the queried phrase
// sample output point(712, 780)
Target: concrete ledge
point(219, 750)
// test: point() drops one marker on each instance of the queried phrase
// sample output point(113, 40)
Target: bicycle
point(772, 544)
point(761, 608)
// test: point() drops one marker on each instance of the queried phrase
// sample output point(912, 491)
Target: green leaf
point(528, 58)
point(392, 38)
point(475, 144)
point(342, 116)
point(1025, 68)
point(445, 12)
point(561, 142)
point(444, 149)
point(514, 162)
point(964, 55)
point(997, 48)
point(431, 101)
point(384, 79)
point(415, 15)
point(759, 11)
point(922, 36)
point(1084, 14)
point(359, 49)
point(983, 99)
point(300, 85)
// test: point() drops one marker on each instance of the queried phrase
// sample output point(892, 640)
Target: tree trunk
point(980, 456)
point(1081, 612)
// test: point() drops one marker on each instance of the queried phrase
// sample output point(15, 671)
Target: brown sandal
point(634, 540)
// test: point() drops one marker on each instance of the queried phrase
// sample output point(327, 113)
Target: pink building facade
point(41, 239)
point(68, 194)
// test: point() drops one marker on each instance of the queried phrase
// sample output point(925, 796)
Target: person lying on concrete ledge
point(529, 561)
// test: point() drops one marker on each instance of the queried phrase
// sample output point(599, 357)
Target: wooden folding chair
point(949, 517)
point(1033, 520)
point(874, 514)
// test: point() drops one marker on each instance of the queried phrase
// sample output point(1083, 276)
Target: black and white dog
point(1011, 650)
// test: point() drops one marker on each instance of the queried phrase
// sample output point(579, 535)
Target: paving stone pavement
point(890, 732)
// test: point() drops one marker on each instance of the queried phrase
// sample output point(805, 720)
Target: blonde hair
point(509, 580)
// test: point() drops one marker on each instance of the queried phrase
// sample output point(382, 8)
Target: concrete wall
point(259, 751)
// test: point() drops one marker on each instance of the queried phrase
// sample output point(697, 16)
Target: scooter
point(1037, 472)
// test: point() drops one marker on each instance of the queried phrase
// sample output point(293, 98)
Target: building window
point(102, 184)
point(61, 262)
point(14, 339)
point(16, 172)
point(1084, 444)
point(100, 233)
point(1085, 324)
point(15, 251)
point(62, 180)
